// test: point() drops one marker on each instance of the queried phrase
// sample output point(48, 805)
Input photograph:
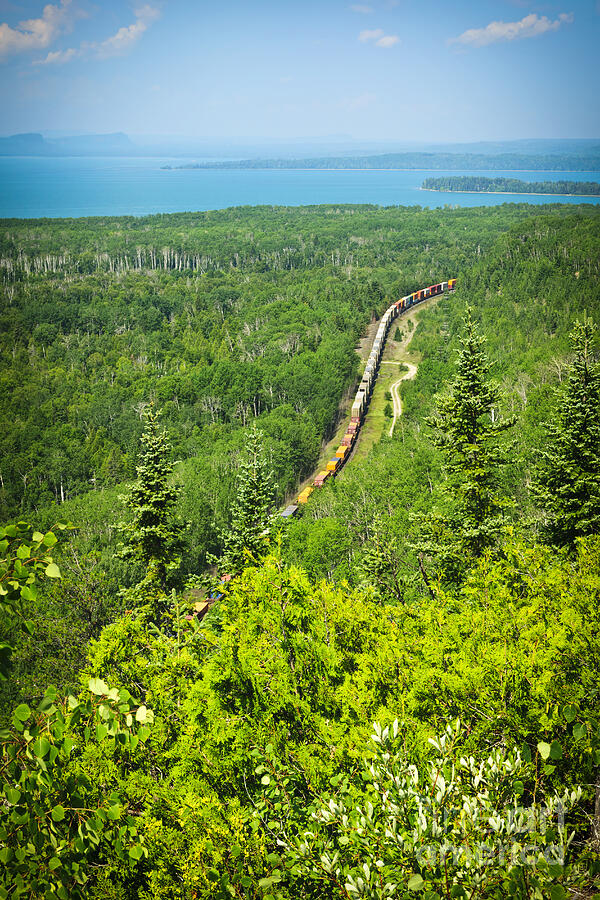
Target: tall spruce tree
point(152, 536)
point(467, 430)
point(247, 538)
point(567, 479)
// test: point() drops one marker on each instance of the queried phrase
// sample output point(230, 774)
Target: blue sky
point(403, 70)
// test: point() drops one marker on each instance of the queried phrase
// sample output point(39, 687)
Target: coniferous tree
point(568, 473)
point(247, 538)
point(152, 535)
point(466, 429)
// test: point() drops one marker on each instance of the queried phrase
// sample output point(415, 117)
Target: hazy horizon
point(384, 72)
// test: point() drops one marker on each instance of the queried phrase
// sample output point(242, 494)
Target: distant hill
point(33, 144)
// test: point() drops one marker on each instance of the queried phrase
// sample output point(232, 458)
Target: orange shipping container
point(341, 452)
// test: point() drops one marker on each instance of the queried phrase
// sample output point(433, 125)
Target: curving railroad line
point(365, 390)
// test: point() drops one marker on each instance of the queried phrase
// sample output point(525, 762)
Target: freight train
point(365, 389)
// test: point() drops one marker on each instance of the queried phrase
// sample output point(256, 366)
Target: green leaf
point(557, 892)
point(579, 731)
point(101, 732)
point(22, 712)
point(570, 712)
point(50, 540)
point(97, 686)
point(544, 749)
point(37, 536)
point(555, 750)
point(519, 788)
point(13, 795)
point(416, 883)
point(267, 882)
point(58, 813)
point(54, 863)
point(41, 747)
point(236, 851)
point(136, 852)
point(266, 779)
point(141, 714)
point(52, 570)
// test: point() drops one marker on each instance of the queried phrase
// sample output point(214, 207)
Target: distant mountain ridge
point(564, 154)
point(34, 144)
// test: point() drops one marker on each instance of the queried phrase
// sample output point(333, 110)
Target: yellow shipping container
point(341, 452)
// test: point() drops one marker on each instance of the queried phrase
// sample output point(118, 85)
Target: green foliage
point(55, 824)
point(458, 826)
point(247, 317)
point(247, 538)
point(25, 556)
point(152, 536)
point(568, 477)
point(467, 431)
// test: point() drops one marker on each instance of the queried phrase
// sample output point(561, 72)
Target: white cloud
point(114, 45)
point(359, 8)
point(388, 40)
point(129, 34)
point(59, 56)
point(371, 35)
point(379, 37)
point(34, 34)
point(528, 27)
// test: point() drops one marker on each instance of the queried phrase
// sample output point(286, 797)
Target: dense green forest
point(397, 693)
point(588, 161)
point(510, 185)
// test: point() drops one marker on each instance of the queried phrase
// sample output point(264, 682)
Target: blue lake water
point(75, 186)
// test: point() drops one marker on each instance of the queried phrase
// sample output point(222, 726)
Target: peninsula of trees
point(479, 184)
point(558, 162)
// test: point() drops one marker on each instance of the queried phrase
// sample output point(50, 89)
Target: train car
point(341, 452)
point(322, 478)
point(289, 512)
point(305, 494)
point(334, 464)
point(451, 284)
point(348, 440)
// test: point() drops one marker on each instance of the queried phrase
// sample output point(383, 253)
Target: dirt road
point(412, 371)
